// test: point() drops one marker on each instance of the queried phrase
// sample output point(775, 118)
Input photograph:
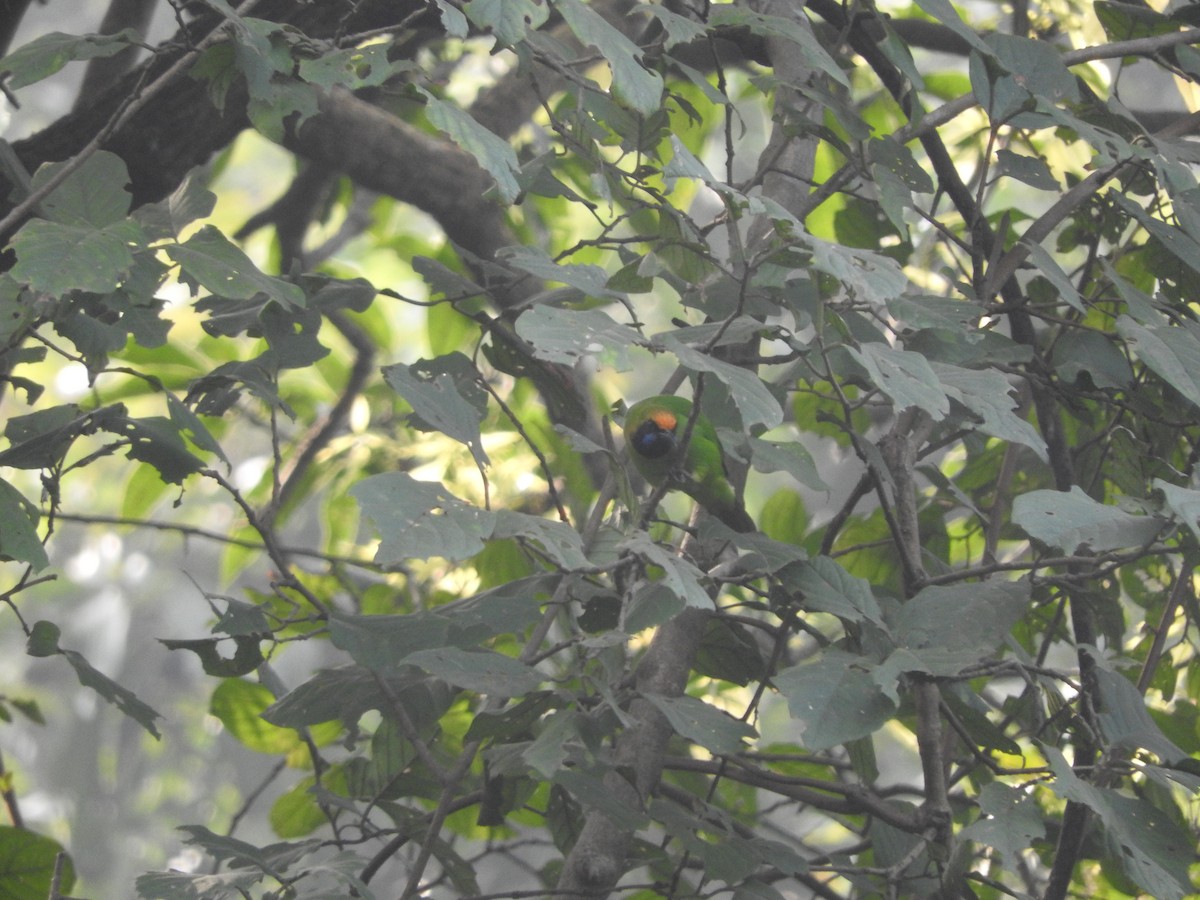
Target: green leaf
point(756, 890)
point(273, 858)
point(239, 617)
point(421, 519)
point(589, 280)
point(755, 402)
point(827, 587)
point(1124, 721)
point(1070, 520)
point(199, 886)
point(791, 457)
point(798, 34)
point(382, 642)
point(680, 575)
point(453, 20)
point(342, 695)
point(904, 376)
point(834, 699)
point(988, 394)
point(186, 422)
point(679, 29)
point(46, 55)
point(445, 397)
point(246, 658)
point(783, 517)
point(949, 627)
point(296, 813)
point(943, 11)
point(1155, 852)
point(1125, 21)
point(567, 336)
point(95, 194)
point(239, 705)
point(1011, 820)
point(187, 203)
point(1038, 65)
point(1185, 503)
point(589, 789)
point(1079, 351)
point(1183, 246)
point(39, 440)
point(55, 258)
point(156, 440)
point(445, 281)
point(632, 82)
point(1171, 352)
point(493, 153)
point(898, 159)
point(222, 268)
point(505, 609)
point(352, 67)
point(868, 276)
point(509, 20)
point(122, 698)
point(482, 671)
point(18, 529)
point(713, 729)
point(728, 651)
point(43, 639)
point(27, 865)
point(1032, 170)
point(561, 543)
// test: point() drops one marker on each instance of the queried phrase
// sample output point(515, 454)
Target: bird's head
point(655, 437)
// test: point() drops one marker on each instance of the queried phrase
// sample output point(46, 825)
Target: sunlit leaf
point(418, 519)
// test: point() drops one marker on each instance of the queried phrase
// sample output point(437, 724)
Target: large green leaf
point(1155, 852)
point(445, 397)
point(56, 258)
point(239, 705)
point(493, 153)
point(756, 404)
point(1011, 820)
point(713, 729)
point(1071, 519)
point(27, 862)
point(905, 377)
point(834, 699)
point(44, 56)
point(509, 20)
point(826, 587)
point(567, 336)
point(633, 83)
point(95, 194)
point(477, 670)
point(1172, 352)
point(421, 519)
point(679, 574)
point(213, 261)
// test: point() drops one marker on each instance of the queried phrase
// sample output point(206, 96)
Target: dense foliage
point(931, 271)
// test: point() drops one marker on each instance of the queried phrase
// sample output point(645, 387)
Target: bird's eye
point(652, 442)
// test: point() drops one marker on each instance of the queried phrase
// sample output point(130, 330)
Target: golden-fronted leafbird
point(655, 429)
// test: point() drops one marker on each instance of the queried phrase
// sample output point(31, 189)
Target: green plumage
point(654, 433)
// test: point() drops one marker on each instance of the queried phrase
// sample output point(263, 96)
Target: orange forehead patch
point(664, 419)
